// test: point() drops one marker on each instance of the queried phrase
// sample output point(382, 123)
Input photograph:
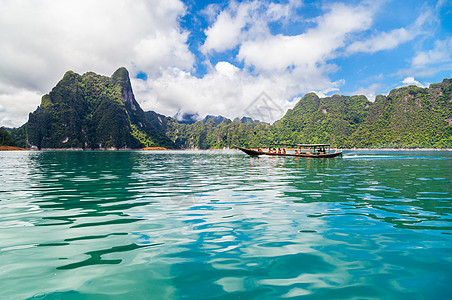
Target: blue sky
point(384, 68)
point(216, 57)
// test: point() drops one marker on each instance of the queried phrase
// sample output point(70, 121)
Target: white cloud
point(50, 37)
point(16, 107)
point(226, 69)
point(41, 40)
point(370, 92)
point(278, 11)
point(383, 41)
point(310, 50)
point(225, 33)
point(243, 21)
point(285, 67)
point(226, 90)
point(431, 62)
point(411, 81)
point(441, 53)
point(146, 36)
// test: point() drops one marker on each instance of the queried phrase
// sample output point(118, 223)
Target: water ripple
point(219, 225)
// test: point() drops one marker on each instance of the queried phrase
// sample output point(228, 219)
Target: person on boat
point(279, 150)
point(284, 151)
point(269, 150)
point(296, 152)
point(259, 149)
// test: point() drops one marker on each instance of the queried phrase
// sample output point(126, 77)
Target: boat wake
point(355, 156)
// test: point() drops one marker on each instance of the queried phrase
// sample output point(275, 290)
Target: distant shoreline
point(393, 149)
point(11, 148)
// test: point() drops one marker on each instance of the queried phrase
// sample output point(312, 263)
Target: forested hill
point(408, 117)
point(5, 138)
point(91, 111)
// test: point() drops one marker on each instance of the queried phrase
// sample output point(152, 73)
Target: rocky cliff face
point(90, 111)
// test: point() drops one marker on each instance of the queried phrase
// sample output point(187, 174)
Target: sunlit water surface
point(222, 225)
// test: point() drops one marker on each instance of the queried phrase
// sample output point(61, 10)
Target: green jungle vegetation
point(6, 138)
point(409, 117)
point(91, 111)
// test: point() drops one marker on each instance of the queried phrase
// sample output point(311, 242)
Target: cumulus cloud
point(41, 40)
point(246, 47)
point(226, 31)
point(370, 91)
point(308, 50)
point(411, 81)
point(226, 90)
point(51, 37)
point(441, 53)
point(281, 65)
point(243, 21)
point(16, 106)
point(146, 36)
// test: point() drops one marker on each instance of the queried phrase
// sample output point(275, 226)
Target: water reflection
point(221, 225)
point(90, 185)
point(405, 193)
point(86, 191)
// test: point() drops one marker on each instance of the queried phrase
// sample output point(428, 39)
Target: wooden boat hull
point(313, 155)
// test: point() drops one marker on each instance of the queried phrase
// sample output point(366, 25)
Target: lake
point(222, 225)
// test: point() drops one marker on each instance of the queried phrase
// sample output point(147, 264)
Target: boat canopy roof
point(302, 145)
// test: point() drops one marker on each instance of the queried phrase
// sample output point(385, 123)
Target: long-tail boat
point(315, 151)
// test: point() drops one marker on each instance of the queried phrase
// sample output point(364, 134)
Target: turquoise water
point(222, 225)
